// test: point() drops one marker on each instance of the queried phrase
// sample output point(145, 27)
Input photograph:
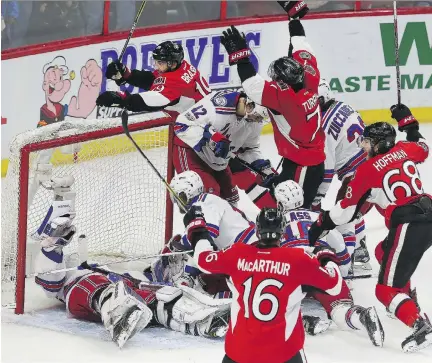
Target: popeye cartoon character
point(57, 83)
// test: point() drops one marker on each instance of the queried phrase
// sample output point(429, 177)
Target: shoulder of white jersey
point(225, 102)
point(301, 215)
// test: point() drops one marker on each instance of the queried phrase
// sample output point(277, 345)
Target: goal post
point(121, 205)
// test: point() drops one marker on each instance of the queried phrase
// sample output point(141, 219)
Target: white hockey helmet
point(289, 196)
point(255, 112)
point(324, 92)
point(187, 185)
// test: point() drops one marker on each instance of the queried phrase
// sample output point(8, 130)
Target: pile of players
point(216, 152)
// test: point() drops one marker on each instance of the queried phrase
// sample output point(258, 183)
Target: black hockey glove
point(235, 45)
point(195, 223)
point(325, 255)
point(294, 9)
point(118, 72)
point(402, 114)
point(112, 99)
point(320, 227)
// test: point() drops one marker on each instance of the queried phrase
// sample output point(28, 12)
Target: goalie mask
point(187, 185)
point(289, 196)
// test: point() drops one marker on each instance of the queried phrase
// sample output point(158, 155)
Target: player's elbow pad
point(141, 79)
point(135, 103)
point(245, 71)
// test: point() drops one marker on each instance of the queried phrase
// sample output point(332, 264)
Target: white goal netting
point(120, 202)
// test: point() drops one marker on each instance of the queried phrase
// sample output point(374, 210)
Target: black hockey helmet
point(382, 135)
point(269, 224)
point(169, 52)
point(286, 70)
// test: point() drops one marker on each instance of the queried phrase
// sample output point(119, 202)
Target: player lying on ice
point(123, 307)
point(174, 84)
point(343, 126)
point(292, 100)
point(266, 282)
point(341, 308)
point(215, 136)
point(390, 178)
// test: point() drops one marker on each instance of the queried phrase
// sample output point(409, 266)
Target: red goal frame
point(62, 141)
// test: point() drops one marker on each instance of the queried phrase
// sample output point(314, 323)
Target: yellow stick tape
point(121, 144)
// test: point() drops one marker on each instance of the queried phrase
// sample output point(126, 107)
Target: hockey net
point(121, 205)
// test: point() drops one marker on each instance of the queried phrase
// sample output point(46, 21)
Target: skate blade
point(322, 326)
point(377, 337)
point(412, 346)
point(361, 266)
point(135, 323)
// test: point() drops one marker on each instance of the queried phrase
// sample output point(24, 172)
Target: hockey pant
point(300, 357)
point(82, 293)
point(308, 177)
point(408, 239)
point(219, 183)
point(246, 180)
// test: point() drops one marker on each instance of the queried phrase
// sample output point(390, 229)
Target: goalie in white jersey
point(126, 303)
point(341, 308)
point(342, 126)
point(211, 138)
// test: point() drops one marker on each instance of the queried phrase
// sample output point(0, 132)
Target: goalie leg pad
point(123, 312)
point(191, 312)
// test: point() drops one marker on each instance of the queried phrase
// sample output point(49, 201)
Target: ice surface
point(46, 334)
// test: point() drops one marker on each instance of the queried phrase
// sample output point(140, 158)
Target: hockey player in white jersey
point(342, 126)
point(226, 224)
point(124, 306)
point(341, 308)
point(211, 138)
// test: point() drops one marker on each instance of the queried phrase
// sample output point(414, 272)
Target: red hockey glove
point(320, 227)
point(195, 224)
point(402, 114)
point(294, 9)
point(118, 72)
point(235, 45)
point(325, 255)
point(112, 99)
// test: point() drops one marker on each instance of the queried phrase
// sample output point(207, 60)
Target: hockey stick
point(280, 163)
point(125, 118)
point(85, 264)
point(250, 167)
point(138, 15)
point(396, 41)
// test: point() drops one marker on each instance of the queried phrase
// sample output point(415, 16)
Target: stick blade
point(125, 120)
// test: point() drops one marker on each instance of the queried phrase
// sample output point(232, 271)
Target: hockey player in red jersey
point(266, 282)
point(340, 308)
point(174, 83)
point(292, 100)
point(389, 177)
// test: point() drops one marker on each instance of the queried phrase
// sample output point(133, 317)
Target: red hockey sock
point(398, 302)
point(261, 197)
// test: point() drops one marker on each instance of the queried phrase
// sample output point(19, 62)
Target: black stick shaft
point(138, 15)
point(396, 40)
